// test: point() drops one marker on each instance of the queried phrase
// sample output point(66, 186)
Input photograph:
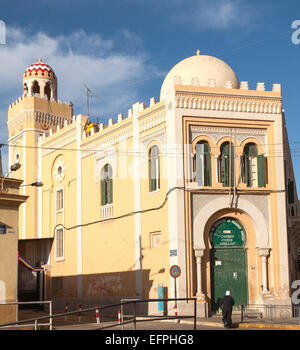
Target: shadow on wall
point(97, 289)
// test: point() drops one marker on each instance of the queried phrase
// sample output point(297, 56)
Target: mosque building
point(202, 179)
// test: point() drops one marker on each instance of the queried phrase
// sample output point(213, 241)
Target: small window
point(47, 91)
point(155, 239)
point(35, 87)
point(106, 185)
point(59, 243)
point(290, 192)
point(226, 165)
point(154, 175)
point(250, 165)
point(59, 199)
point(202, 164)
point(17, 157)
point(254, 167)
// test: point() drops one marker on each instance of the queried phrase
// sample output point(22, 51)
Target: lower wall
point(8, 313)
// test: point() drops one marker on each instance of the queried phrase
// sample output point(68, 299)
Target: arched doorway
point(228, 261)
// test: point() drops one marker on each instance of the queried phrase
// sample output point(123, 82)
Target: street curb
point(270, 326)
point(277, 326)
point(249, 325)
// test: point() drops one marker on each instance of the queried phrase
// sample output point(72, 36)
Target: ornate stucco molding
point(232, 104)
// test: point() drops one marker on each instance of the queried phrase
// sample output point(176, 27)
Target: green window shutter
point(232, 174)
point(109, 184)
point(103, 192)
point(207, 170)
point(222, 169)
point(154, 168)
point(261, 170)
point(106, 185)
point(227, 160)
point(225, 170)
point(246, 169)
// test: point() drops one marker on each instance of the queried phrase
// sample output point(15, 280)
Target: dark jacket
point(227, 303)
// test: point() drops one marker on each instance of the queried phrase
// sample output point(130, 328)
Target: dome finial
point(40, 60)
point(198, 52)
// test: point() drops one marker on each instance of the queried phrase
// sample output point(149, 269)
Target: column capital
point(198, 252)
point(264, 252)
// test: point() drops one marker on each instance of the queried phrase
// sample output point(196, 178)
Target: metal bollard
point(97, 315)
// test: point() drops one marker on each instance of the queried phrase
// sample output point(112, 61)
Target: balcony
point(106, 211)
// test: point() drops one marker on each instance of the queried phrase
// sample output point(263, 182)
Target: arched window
point(154, 175)
point(250, 165)
point(254, 166)
point(202, 165)
point(47, 90)
point(106, 185)
point(35, 87)
point(25, 89)
point(226, 165)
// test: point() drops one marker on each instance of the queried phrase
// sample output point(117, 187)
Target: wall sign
point(227, 233)
point(173, 252)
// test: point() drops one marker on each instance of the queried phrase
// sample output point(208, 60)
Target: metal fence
point(271, 313)
point(129, 318)
point(28, 322)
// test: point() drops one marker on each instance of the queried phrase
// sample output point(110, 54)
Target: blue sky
point(122, 49)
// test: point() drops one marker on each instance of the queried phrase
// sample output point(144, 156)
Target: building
point(202, 179)
point(10, 201)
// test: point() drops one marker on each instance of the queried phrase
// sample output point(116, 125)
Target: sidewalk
point(216, 321)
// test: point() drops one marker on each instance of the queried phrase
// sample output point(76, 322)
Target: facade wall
point(125, 248)
point(9, 213)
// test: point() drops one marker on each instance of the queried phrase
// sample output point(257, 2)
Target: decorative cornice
point(229, 103)
point(104, 142)
point(38, 116)
point(153, 120)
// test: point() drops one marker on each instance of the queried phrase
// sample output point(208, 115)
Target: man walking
point(226, 304)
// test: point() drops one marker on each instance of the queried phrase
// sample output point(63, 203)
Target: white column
point(42, 85)
point(199, 253)
point(264, 253)
point(40, 189)
point(79, 206)
point(137, 200)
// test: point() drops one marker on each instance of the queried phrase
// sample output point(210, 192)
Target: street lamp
point(34, 184)
point(13, 167)
point(16, 166)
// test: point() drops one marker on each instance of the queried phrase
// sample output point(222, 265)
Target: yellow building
point(10, 201)
point(197, 179)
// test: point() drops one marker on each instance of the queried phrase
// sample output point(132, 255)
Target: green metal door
point(228, 262)
point(229, 272)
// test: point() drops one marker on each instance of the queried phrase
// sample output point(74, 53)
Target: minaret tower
point(36, 113)
point(39, 78)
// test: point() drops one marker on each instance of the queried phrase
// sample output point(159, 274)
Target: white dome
point(199, 70)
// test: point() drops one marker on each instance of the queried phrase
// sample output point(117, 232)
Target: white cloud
point(76, 58)
point(218, 14)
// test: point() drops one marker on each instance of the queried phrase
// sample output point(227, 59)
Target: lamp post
point(13, 167)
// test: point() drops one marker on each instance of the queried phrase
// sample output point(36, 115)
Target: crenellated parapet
point(23, 97)
point(228, 99)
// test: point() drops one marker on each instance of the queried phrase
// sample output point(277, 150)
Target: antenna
point(89, 93)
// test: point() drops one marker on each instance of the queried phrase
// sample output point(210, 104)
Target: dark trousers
point(227, 317)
